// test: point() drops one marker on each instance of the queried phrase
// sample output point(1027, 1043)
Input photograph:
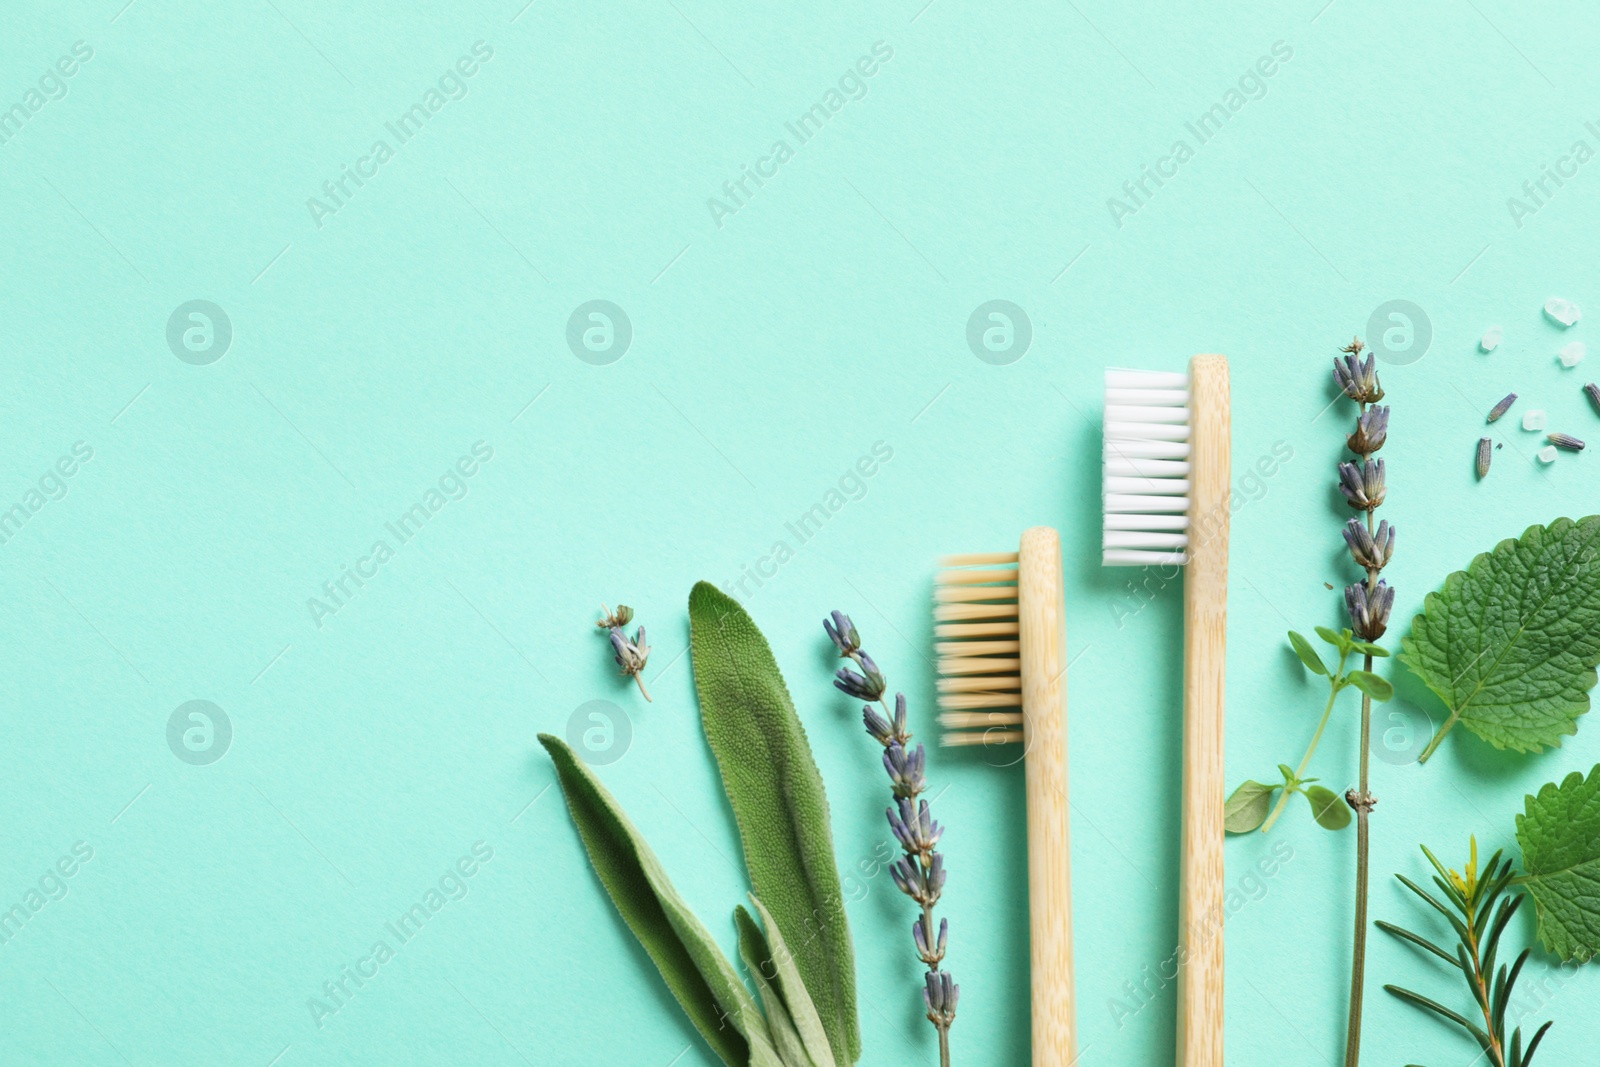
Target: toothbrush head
point(1146, 475)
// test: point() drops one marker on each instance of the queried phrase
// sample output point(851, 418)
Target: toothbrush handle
point(1043, 629)
point(1205, 602)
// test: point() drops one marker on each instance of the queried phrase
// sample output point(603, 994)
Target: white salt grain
point(1547, 454)
point(1533, 420)
point(1492, 338)
point(1572, 353)
point(1562, 311)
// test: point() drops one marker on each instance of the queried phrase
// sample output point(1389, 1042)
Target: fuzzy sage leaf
point(694, 968)
point(779, 803)
point(1559, 833)
point(1510, 644)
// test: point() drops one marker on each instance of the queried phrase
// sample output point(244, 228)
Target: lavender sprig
point(919, 873)
point(1368, 603)
point(631, 655)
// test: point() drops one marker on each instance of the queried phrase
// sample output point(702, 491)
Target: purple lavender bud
point(1358, 379)
point(876, 724)
point(940, 996)
point(914, 828)
point(1372, 427)
point(905, 769)
point(932, 954)
point(901, 734)
point(1368, 548)
point(907, 877)
point(1363, 486)
point(842, 632)
point(934, 879)
point(855, 685)
point(1369, 611)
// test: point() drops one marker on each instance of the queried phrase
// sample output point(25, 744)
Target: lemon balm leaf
point(1559, 833)
point(1510, 644)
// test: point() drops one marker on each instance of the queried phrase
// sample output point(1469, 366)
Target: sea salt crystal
point(1572, 353)
point(1563, 311)
point(1533, 420)
point(1491, 338)
point(1547, 454)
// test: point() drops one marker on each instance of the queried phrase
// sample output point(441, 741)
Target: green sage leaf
point(1375, 687)
point(1328, 808)
point(779, 803)
point(1247, 809)
point(1559, 832)
point(694, 968)
point(1307, 654)
point(807, 1023)
point(758, 962)
point(1510, 644)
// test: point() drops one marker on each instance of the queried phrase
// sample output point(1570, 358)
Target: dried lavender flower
point(1362, 486)
point(919, 872)
point(843, 633)
point(940, 998)
point(1485, 454)
point(1502, 407)
point(1369, 608)
point(906, 769)
point(1593, 392)
point(1566, 441)
point(631, 656)
point(1358, 378)
point(1372, 427)
point(868, 685)
point(1370, 549)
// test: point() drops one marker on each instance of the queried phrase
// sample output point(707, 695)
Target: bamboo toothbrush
point(1166, 503)
point(1002, 625)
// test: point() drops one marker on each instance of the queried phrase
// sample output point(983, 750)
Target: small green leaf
point(1289, 778)
point(1328, 808)
point(1368, 648)
point(1247, 809)
point(1338, 640)
point(1510, 644)
point(1559, 832)
point(1307, 654)
point(1375, 687)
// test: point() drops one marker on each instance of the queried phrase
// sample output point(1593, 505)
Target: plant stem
point(1300, 772)
point(1362, 800)
point(640, 679)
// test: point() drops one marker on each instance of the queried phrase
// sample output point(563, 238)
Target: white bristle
point(1145, 478)
point(979, 661)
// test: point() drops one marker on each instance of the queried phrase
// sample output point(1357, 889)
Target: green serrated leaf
point(1247, 809)
point(779, 803)
point(1559, 832)
point(1510, 644)
point(1307, 654)
point(1375, 687)
point(1328, 808)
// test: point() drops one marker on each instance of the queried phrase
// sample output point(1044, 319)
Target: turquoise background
point(829, 312)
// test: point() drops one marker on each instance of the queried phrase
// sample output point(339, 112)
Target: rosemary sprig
point(1478, 911)
point(919, 874)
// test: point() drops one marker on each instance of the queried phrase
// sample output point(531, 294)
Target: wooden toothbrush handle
point(1043, 635)
point(1205, 608)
